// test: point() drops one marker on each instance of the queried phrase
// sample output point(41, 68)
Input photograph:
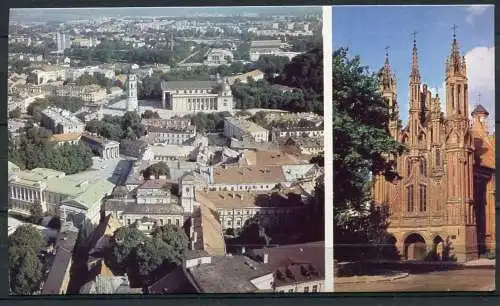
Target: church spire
point(387, 78)
point(455, 64)
point(415, 72)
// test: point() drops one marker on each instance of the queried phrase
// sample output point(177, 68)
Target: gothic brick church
point(445, 200)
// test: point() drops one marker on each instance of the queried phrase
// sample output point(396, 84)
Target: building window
point(423, 167)
point(315, 288)
point(177, 222)
point(438, 157)
point(410, 198)
point(290, 290)
point(306, 289)
point(169, 221)
point(408, 162)
point(423, 198)
point(128, 221)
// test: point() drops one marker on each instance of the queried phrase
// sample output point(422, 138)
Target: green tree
point(253, 235)
point(152, 257)
point(36, 212)
point(149, 114)
point(157, 170)
point(25, 274)
point(25, 268)
point(173, 236)
point(123, 246)
point(15, 113)
point(361, 144)
point(360, 130)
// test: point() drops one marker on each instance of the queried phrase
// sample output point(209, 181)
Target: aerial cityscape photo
point(414, 148)
point(166, 150)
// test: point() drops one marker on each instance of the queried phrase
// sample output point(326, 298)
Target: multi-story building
point(49, 73)
point(58, 278)
point(168, 131)
point(235, 208)
point(291, 268)
point(218, 57)
point(164, 152)
point(446, 196)
point(63, 42)
point(83, 42)
point(297, 132)
point(260, 48)
point(264, 47)
point(68, 138)
point(255, 75)
point(61, 121)
point(257, 177)
point(197, 96)
point(237, 128)
point(107, 149)
point(304, 146)
point(51, 188)
point(298, 268)
point(89, 93)
point(153, 205)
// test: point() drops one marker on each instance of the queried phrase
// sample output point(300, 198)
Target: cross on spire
point(414, 34)
point(479, 98)
point(454, 28)
point(387, 51)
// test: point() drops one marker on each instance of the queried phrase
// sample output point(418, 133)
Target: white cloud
point(475, 11)
point(481, 75)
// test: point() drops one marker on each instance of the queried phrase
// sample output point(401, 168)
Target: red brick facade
point(446, 197)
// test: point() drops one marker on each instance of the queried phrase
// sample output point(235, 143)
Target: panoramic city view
point(414, 148)
point(166, 150)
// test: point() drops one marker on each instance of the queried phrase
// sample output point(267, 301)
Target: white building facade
point(190, 97)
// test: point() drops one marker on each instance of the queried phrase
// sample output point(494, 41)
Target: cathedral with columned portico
point(197, 96)
point(444, 202)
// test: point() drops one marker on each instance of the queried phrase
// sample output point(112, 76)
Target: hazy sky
point(366, 31)
point(88, 13)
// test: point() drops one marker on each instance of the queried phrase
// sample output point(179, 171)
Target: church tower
point(480, 119)
point(132, 103)
point(459, 156)
point(387, 83)
point(414, 118)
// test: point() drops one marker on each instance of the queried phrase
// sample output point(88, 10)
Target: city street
point(453, 280)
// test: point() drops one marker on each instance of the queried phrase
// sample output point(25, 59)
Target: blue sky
point(367, 30)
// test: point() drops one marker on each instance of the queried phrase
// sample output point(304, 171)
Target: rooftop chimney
point(266, 258)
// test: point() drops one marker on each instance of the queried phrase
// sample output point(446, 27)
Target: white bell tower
point(132, 103)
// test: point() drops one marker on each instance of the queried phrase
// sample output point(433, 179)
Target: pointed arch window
point(411, 203)
point(423, 167)
point(423, 198)
point(408, 164)
point(438, 157)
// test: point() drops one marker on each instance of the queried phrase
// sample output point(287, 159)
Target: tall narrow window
point(410, 199)
point(459, 93)
point(438, 157)
point(423, 198)
point(452, 96)
point(423, 167)
point(408, 162)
